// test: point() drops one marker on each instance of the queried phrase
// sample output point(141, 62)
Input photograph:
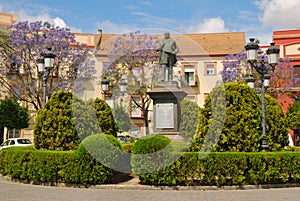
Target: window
point(189, 75)
point(6, 143)
point(297, 73)
point(24, 141)
point(14, 68)
point(297, 137)
point(210, 68)
point(14, 133)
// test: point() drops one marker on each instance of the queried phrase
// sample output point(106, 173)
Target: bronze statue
point(167, 59)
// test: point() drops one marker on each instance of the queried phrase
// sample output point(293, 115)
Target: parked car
point(14, 142)
point(125, 138)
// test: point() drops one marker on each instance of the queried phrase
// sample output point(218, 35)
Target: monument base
point(173, 136)
point(166, 98)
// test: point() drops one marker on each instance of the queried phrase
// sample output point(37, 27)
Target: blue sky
point(257, 18)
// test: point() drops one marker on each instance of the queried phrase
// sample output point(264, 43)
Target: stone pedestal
point(166, 98)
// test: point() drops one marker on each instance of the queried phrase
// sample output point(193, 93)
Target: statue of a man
point(167, 59)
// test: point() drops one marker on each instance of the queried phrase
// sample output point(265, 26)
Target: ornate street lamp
point(45, 66)
point(251, 81)
point(263, 68)
point(104, 85)
point(105, 90)
point(123, 86)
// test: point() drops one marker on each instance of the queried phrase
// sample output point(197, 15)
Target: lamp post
point(105, 90)
point(45, 67)
point(264, 68)
point(104, 85)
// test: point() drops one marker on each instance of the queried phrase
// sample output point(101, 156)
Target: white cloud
point(211, 25)
point(146, 3)
point(59, 22)
point(110, 27)
point(23, 16)
point(279, 13)
point(45, 17)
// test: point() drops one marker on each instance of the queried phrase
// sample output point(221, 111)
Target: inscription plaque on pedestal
point(164, 115)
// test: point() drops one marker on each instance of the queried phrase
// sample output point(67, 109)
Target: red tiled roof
point(212, 44)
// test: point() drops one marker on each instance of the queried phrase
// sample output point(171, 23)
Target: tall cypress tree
point(241, 129)
point(12, 115)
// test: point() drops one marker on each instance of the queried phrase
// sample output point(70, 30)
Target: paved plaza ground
point(12, 191)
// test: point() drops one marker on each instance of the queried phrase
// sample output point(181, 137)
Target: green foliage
point(241, 130)
point(54, 127)
point(293, 115)
point(12, 115)
point(150, 144)
point(53, 167)
point(104, 115)
point(122, 118)
point(127, 147)
point(3, 36)
point(216, 169)
point(228, 168)
point(85, 119)
point(151, 153)
point(189, 118)
point(66, 119)
point(277, 128)
point(107, 150)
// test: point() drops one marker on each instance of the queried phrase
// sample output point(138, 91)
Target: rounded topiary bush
point(239, 129)
point(107, 150)
point(150, 144)
point(151, 153)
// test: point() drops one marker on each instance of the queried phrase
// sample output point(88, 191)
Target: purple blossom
point(235, 68)
point(28, 41)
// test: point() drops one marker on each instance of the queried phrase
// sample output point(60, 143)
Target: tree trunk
point(146, 123)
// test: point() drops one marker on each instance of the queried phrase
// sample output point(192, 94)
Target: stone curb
point(195, 188)
point(149, 187)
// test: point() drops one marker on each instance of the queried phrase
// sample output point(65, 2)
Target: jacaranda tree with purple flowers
point(282, 79)
point(26, 42)
point(133, 58)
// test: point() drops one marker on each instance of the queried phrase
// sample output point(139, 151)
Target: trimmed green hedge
point(228, 168)
point(214, 169)
point(53, 167)
point(107, 150)
point(151, 153)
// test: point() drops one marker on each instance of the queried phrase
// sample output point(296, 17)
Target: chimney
point(98, 38)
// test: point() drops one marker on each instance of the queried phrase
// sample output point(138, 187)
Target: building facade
point(7, 19)
point(199, 63)
point(288, 41)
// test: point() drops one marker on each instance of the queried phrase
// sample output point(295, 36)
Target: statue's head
point(167, 35)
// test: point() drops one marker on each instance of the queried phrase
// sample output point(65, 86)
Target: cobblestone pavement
point(12, 191)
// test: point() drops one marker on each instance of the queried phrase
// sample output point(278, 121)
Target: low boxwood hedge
point(71, 167)
point(190, 168)
point(228, 168)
